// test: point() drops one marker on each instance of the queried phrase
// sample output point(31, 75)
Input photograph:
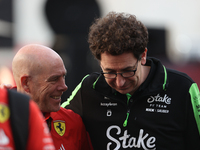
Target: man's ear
point(25, 83)
point(144, 57)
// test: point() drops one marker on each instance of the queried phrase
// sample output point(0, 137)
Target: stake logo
point(158, 98)
point(144, 140)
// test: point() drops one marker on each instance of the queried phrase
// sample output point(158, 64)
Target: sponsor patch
point(158, 104)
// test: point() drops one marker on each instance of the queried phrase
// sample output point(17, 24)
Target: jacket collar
point(157, 78)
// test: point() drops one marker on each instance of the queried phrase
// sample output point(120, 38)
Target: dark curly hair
point(117, 33)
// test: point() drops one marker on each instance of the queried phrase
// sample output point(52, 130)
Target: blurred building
point(70, 21)
point(174, 32)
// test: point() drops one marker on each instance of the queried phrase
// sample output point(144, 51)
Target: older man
point(39, 71)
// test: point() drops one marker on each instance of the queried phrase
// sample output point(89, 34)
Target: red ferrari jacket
point(39, 137)
point(68, 130)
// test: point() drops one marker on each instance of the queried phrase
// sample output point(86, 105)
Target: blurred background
point(174, 32)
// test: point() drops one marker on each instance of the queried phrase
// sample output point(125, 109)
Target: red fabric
point(73, 134)
point(39, 136)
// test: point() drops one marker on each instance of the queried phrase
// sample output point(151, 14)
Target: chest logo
point(158, 98)
point(109, 113)
point(59, 127)
point(4, 113)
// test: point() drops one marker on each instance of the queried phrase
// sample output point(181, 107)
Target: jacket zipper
point(127, 115)
point(128, 110)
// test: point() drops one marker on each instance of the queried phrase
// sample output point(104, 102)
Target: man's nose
point(120, 80)
point(63, 86)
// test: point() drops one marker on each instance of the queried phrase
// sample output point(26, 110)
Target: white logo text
point(126, 141)
point(158, 98)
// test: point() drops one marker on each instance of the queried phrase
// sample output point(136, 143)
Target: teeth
point(56, 97)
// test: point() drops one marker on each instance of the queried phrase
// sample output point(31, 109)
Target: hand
point(5, 86)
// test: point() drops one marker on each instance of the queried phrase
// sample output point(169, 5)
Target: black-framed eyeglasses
point(125, 74)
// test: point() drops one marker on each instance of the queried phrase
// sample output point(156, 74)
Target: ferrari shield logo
point(4, 113)
point(59, 126)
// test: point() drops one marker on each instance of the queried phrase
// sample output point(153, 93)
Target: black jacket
point(159, 115)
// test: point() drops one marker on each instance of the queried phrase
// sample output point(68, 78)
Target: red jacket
point(38, 137)
point(68, 131)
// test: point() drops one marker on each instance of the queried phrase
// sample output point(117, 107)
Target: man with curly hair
point(135, 102)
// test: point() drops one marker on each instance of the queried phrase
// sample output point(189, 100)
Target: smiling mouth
point(56, 97)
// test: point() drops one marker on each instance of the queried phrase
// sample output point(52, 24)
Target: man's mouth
point(123, 88)
point(56, 97)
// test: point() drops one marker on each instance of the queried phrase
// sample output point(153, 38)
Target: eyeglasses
point(125, 74)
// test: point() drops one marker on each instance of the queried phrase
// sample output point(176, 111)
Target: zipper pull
point(126, 121)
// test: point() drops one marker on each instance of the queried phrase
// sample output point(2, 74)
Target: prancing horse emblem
point(4, 113)
point(59, 126)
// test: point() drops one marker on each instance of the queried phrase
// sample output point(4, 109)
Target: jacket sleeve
point(192, 137)
point(39, 136)
point(74, 102)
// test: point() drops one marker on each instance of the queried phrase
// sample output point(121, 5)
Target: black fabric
point(48, 121)
point(158, 118)
point(19, 116)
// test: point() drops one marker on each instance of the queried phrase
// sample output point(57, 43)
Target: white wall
point(30, 23)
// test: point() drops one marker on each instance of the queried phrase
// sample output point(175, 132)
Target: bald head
point(39, 72)
point(31, 60)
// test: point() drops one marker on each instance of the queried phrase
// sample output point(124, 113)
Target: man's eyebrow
point(56, 76)
point(127, 68)
point(52, 77)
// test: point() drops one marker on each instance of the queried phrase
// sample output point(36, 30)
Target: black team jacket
point(163, 114)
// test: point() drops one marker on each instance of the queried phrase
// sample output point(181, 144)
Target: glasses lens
point(109, 75)
point(128, 74)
